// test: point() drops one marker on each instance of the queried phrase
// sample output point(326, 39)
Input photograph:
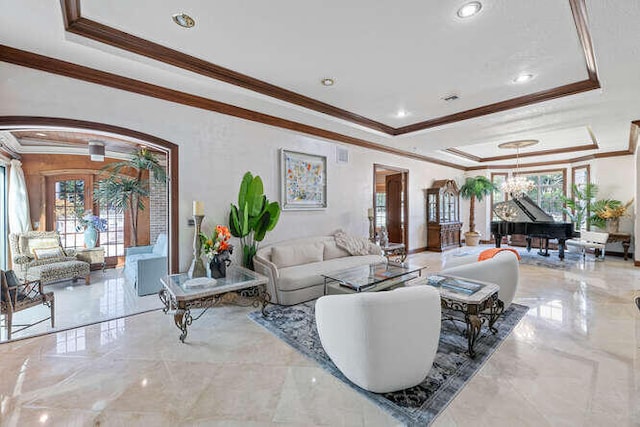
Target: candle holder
point(197, 268)
point(372, 231)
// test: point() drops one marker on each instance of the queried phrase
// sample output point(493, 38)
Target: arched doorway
point(8, 123)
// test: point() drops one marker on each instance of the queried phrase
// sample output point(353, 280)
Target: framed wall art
point(304, 181)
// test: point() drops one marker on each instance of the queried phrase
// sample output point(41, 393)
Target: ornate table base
point(395, 252)
point(475, 315)
point(256, 297)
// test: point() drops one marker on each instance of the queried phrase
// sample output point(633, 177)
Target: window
point(498, 196)
point(381, 209)
point(3, 218)
point(549, 186)
point(580, 178)
point(112, 240)
point(69, 198)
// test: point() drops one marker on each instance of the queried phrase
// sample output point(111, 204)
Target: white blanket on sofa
point(355, 245)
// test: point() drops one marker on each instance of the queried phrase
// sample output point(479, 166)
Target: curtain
point(18, 203)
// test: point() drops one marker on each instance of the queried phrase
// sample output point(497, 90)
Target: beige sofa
point(295, 267)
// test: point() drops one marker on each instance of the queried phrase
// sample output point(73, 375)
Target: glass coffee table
point(241, 286)
point(369, 278)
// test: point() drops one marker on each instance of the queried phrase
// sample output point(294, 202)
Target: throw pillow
point(286, 256)
point(332, 251)
point(355, 245)
point(48, 253)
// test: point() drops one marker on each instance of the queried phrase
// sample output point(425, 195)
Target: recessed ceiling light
point(40, 134)
point(327, 81)
point(401, 113)
point(469, 9)
point(523, 77)
point(183, 20)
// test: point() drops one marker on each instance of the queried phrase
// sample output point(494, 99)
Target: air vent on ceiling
point(342, 155)
point(450, 98)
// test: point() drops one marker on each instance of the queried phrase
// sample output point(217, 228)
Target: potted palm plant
point(581, 205)
point(126, 187)
point(252, 217)
point(475, 188)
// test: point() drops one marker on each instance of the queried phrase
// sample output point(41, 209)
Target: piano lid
point(521, 210)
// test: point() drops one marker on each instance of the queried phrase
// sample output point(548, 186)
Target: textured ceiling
point(384, 56)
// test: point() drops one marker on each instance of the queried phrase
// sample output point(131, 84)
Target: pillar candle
point(370, 212)
point(198, 208)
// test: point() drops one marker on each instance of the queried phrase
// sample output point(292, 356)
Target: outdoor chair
point(16, 296)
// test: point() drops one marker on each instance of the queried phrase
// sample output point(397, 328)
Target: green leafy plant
point(580, 206)
point(253, 216)
point(126, 186)
point(476, 188)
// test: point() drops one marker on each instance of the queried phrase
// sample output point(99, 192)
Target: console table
point(241, 287)
point(624, 238)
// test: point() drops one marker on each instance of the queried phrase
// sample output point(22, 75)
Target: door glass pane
point(68, 201)
point(112, 240)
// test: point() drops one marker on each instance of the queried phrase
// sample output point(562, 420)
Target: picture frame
point(304, 181)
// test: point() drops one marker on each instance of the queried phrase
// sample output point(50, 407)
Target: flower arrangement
point(217, 242)
point(609, 211)
point(87, 219)
point(614, 210)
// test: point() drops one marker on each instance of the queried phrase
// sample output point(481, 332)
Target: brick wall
point(158, 208)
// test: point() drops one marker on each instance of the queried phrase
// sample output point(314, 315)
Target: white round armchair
point(381, 341)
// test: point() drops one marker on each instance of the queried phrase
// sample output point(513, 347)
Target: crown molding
point(91, 75)
point(461, 153)
point(77, 24)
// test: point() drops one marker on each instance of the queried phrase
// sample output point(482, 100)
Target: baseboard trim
point(417, 250)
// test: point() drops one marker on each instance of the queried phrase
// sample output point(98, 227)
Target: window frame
point(505, 195)
point(546, 172)
point(50, 197)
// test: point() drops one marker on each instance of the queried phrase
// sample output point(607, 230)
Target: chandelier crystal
point(517, 185)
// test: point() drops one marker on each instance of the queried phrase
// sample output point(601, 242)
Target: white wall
point(216, 151)
point(615, 177)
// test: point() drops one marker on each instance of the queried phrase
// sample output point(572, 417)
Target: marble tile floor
point(573, 360)
point(108, 296)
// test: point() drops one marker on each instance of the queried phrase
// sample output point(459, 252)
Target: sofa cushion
point(302, 276)
point(331, 251)
point(48, 253)
point(289, 255)
point(46, 240)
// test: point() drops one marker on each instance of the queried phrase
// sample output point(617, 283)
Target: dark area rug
point(553, 260)
point(419, 405)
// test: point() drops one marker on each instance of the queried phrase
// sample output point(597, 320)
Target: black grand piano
point(523, 216)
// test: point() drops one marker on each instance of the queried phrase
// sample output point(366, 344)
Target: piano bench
point(590, 240)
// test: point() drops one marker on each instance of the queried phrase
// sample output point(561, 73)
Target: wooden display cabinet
point(443, 216)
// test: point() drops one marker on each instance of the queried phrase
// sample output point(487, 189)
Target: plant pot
point(219, 263)
point(613, 225)
point(472, 238)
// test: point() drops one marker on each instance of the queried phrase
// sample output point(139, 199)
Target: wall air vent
point(342, 155)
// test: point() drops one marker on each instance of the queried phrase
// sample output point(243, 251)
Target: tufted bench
point(63, 270)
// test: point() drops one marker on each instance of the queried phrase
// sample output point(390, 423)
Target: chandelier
point(517, 185)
